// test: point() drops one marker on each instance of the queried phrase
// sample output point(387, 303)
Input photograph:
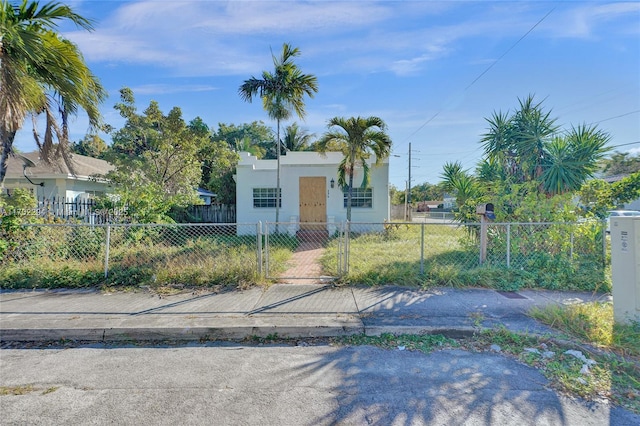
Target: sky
point(432, 70)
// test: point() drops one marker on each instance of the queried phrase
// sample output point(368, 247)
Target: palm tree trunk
point(350, 190)
point(6, 138)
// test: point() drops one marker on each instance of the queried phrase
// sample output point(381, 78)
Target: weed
point(423, 343)
point(592, 323)
point(17, 390)
point(477, 318)
point(610, 377)
point(50, 390)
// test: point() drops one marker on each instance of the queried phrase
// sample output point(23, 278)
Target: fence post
point(422, 249)
point(339, 254)
point(266, 249)
point(483, 239)
point(106, 251)
point(346, 247)
point(604, 242)
point(571, 248)
point(508, 245)
point(259, 247)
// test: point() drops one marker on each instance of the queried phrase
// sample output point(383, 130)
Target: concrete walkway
point(305, 263)
point(288, 310)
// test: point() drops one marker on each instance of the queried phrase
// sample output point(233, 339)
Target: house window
point(360, 197)
point(265, 197)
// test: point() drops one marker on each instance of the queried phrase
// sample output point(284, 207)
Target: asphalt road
point(234, 384)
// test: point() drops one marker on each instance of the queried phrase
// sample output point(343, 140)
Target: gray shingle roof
point(84, 166)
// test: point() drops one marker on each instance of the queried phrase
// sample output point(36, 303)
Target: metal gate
point(313, 252)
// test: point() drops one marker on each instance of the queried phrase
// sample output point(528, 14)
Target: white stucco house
point(309, 191)
point(49, 181)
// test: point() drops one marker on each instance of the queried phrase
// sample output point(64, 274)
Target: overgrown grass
point(611, 377)
point(616, 375)
point(424, 343)
point(201, 261)
point(50, 257)
point(592, 323)
point(450, 257)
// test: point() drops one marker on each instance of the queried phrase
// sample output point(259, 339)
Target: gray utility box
point(625, 268)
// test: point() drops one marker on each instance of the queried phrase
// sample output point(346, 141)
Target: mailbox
point(484, 208)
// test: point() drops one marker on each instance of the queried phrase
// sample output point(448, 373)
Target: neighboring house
point(310, 191)
point(425, 206)
point(449, 202)
point(207, 197)
point(55, 181)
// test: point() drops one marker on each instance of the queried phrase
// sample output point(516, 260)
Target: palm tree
point(533, 129)
point(42, 73)
point(517, 142)
point(449, 173)
point(282, 93)
point(459, 182)
point(296, 138)
point(357, 138)
point(573, 159)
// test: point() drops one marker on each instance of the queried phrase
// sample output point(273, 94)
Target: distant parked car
point(618, 213)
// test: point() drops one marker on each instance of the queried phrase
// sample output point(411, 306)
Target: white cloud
point(222, 38)
point(586, 20)
point(633, 151)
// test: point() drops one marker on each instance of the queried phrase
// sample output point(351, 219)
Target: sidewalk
point(288, 310)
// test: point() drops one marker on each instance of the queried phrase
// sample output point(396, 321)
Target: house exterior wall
point(253, 173)
point(56, 187)
point(59, 182)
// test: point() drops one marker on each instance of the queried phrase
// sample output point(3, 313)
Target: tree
point(218, 178)
point(573, 159)
point(218, 167)
point(450, 171)
point(427, 192)
point(296, 139)
point(357, 138)
point(156, 158)
point(92, 146)
point(532, 129)
point(621, 163)
point(42, 73)
point(529, 147)
point(517, 143)
point(255, 138)
point(282, 93)
point(598, 196)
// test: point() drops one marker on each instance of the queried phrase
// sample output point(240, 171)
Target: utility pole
point(409, 186)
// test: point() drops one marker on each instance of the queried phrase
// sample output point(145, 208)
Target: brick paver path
point(304, 264)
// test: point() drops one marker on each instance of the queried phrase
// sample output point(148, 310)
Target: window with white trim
point(265, 197)
point(360, 197)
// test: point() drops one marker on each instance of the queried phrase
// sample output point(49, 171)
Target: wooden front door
point(313, 200)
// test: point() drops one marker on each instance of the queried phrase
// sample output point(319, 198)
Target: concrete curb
point(236, 333)
point(238, 330)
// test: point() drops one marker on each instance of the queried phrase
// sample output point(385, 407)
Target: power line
point(566, 131)
point(624, 144)
point(617, 116)
point(485, 71)
point(509, 49)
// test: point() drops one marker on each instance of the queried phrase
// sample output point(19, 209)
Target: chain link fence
point(192, 254)
point(538, 254)
point(548, 255)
